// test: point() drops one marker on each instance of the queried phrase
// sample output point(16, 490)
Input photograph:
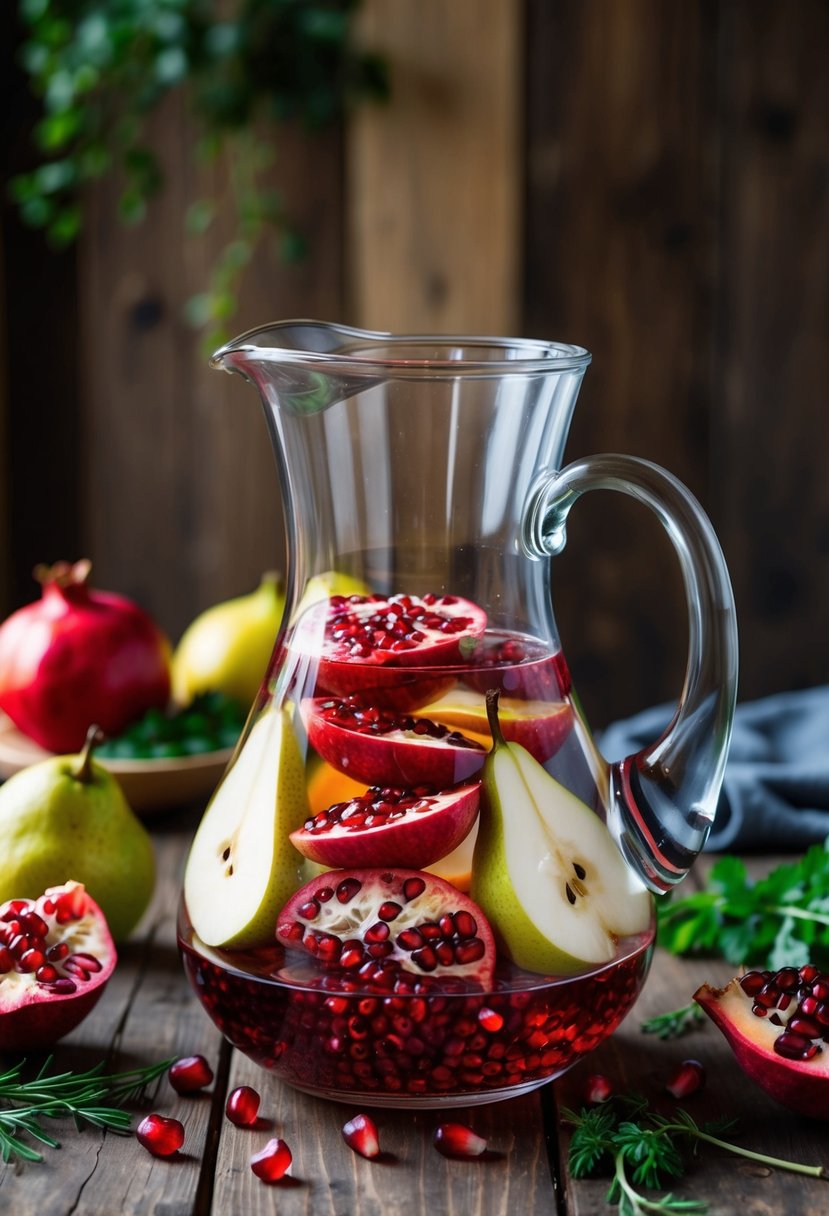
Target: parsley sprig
point(94, 1098)
point(781, 920)
point(642, 1149)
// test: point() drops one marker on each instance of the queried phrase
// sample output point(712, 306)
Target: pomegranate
point(777, 1023)
point(539, 726)
point(56, 955)
point(390, 925)
point(518, 666)
point(160, 1136)
point(79, 656)
point(381, 747)
point(388, 826)
point(363, 641)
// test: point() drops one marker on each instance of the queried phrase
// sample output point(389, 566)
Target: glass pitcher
point(419, 883)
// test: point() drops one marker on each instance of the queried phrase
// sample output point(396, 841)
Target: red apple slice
point(539, 726)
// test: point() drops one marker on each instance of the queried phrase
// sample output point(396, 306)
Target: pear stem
point(498, 739)
point(84, 772)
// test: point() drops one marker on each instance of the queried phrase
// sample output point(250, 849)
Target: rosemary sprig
point(675, 1023)
point(642, 1148)
point(91, 1098)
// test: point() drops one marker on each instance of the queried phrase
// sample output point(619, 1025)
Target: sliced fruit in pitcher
point(377, 924)
point(242, 866)
point(382, 747)
point(539, 726)
point(546, 871)
point(389, 826)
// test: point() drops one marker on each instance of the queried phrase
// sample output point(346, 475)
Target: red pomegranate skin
point(78, 657)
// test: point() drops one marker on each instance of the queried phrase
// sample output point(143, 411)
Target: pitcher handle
point(664, 797)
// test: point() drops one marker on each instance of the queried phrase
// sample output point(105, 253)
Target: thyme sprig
point(642, 1149)
point(675, 1023)
point(92, 1098)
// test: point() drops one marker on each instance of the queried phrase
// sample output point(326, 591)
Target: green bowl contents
point(211, 723)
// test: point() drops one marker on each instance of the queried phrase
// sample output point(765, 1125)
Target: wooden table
point(148, 1013)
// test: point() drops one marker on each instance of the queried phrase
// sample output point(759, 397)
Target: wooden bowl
point(150, 786)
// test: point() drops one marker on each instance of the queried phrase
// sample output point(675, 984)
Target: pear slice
point(546, 871)
point(242, 867)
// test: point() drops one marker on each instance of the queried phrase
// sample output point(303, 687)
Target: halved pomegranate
point(56, 955)
point(389, 826)
point(363, 641)
point(375, 924)
point(777, 1023)
point(383, 747)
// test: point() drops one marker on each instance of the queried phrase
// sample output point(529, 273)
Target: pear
point(227, 648)
point(242, 867)
point(331, 582)
point(66, 818)
point(546, 871)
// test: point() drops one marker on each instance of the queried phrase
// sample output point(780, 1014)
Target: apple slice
point(242, 866)
point(546, 871)
point(539, 726)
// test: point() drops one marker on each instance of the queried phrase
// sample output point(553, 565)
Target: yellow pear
point(227, 648)
point(67, 818)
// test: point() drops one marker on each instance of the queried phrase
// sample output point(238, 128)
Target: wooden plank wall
point(643, 177)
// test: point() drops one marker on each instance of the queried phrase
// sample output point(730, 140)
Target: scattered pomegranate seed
point(190, 1074)
point(242, 1107)
point(458, 1141)
point(598, 1089)
point(686, 1080)
point(159, 1136)
point(273, 1162)
point(360, 1133)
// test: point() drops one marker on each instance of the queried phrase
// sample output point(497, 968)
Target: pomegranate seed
point(458, 1141)
point(490, 1020)
point(273, 1162)
point(242, 1106)
point(190, 1074)
point(360, 1134)
point(598, 1089)
point(686, 1080)
point(159, 1136)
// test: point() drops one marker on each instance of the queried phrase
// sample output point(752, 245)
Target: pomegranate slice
point(56, 956)
point(363, 641)
point(777, 1024)
point(383, 747)
point(388, 826)
point(376, 924)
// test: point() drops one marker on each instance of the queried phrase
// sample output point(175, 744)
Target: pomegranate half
point(777, 1024)
point(56, 956)
point(389, 826)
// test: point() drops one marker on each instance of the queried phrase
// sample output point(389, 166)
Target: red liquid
point(451, 1045)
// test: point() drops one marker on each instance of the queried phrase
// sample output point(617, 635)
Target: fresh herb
point(93, 1097)
point(675, 1023)
point(781, 920)
point(642, 1149)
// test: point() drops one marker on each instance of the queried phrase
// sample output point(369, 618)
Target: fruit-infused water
point(379, 977)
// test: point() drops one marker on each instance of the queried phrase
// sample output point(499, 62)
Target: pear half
point(242, 867)
point(546, 871)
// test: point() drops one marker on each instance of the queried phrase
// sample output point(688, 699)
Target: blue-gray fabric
point(775, 794)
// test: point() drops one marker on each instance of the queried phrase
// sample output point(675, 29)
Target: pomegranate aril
point(805, 1026)
point(360, 1134)
point(45, 974)
point(31, 960)
point(242, 1107)
point(597, 1089)
point(273, 1162)
point(792, 1046)
point(458, 1141)
point(6, 959)
point(160, 1136)
point(752, 982)
point(190, 1074)
point(686, 1079)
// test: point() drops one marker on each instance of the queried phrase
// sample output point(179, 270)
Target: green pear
point(546, 871)
point(67, 818)
point(242, 867)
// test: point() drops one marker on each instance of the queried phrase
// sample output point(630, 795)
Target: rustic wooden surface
point(148, 1012)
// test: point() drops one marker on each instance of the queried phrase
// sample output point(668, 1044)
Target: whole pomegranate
point(78, 656)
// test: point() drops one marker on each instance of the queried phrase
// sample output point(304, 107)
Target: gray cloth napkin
point(775, 794)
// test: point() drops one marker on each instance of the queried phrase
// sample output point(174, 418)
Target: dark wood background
point(644, 177)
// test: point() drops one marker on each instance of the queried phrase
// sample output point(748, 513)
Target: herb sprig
point(642, 1149)
point(93, 1097)
point(675, 1023)
point(781, 920)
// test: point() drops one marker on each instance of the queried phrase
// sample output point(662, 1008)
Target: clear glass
point(424, 503)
